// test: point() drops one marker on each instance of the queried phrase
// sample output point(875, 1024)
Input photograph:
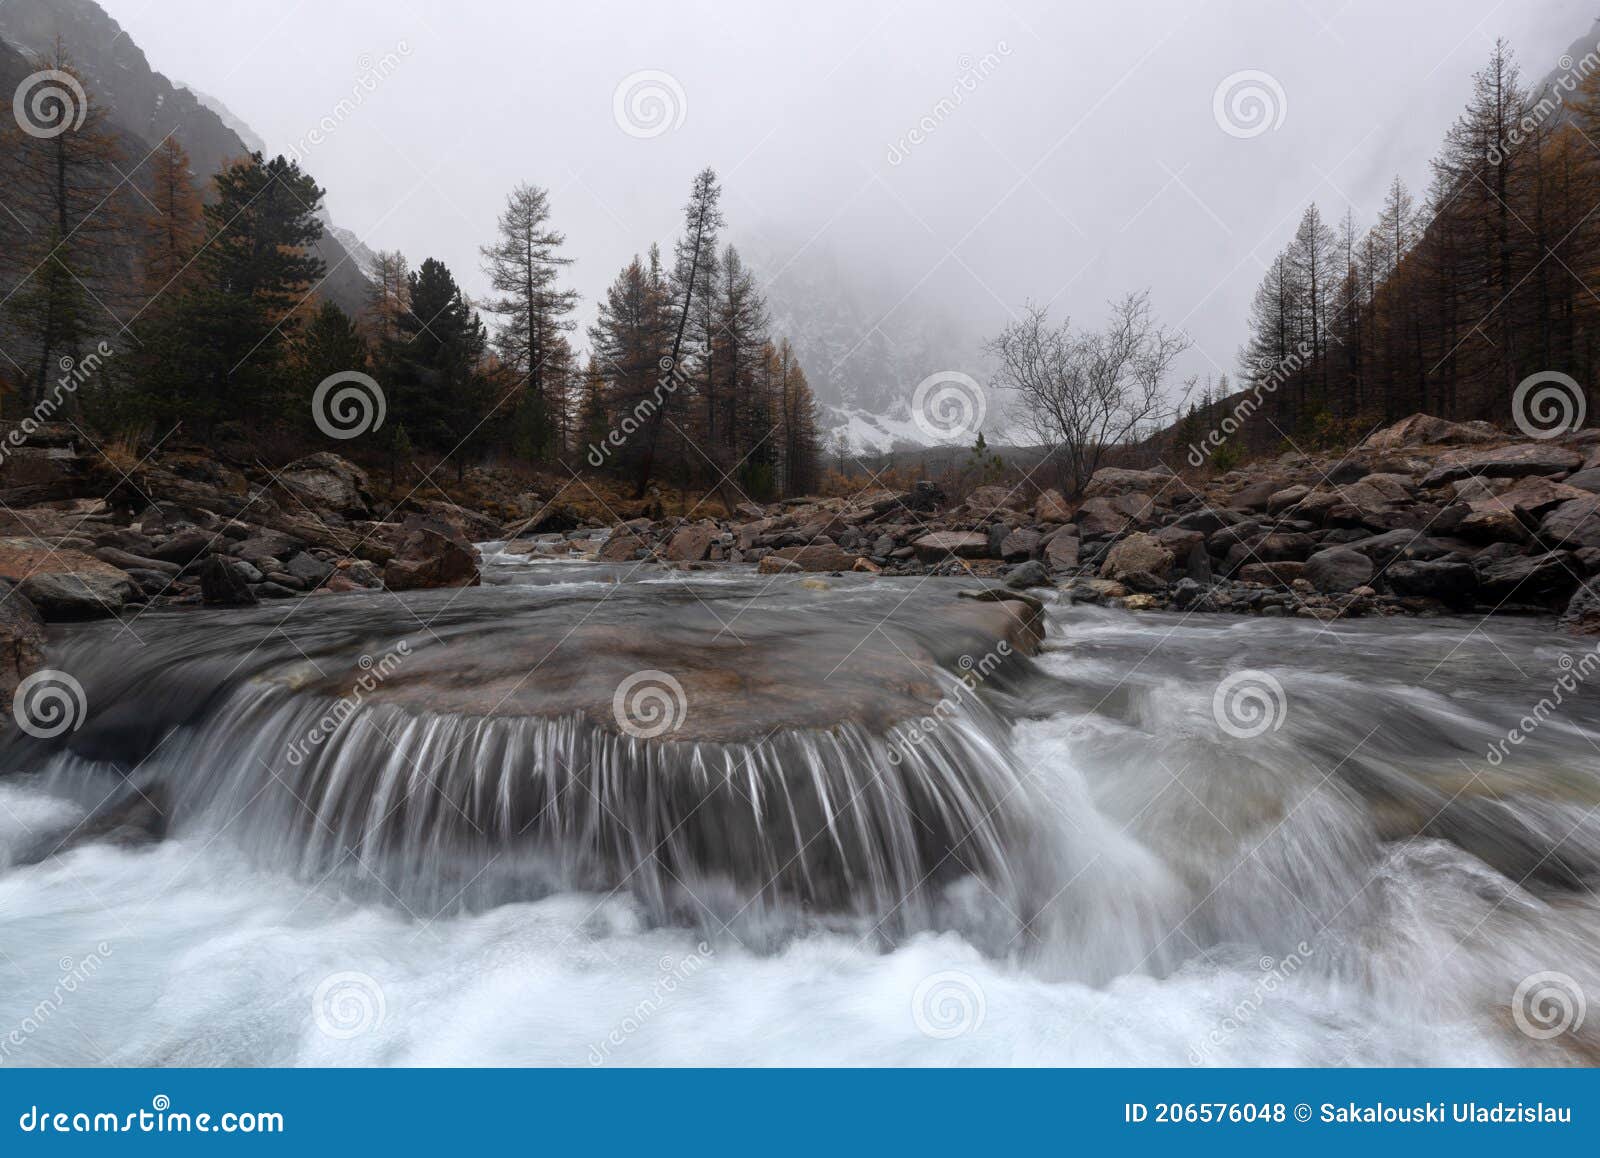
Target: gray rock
point(1338, 569)
point(1029, 574)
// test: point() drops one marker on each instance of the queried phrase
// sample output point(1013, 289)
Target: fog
point(1064, 153)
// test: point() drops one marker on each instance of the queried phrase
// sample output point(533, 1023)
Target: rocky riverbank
point(1426, 517)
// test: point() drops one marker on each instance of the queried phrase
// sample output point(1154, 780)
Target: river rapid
point(1163, 840)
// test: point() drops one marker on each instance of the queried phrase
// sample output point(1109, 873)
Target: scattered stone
point(1338, 569)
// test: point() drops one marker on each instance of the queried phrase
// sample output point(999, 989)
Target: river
point(1162, 840)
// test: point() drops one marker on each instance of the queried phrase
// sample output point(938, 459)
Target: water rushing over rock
point(479, 748)
point(1159, 839)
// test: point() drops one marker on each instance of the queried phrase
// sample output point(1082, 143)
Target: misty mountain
point(864, 345)
point(143, 103)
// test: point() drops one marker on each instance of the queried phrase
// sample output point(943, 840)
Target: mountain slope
point(146, 105)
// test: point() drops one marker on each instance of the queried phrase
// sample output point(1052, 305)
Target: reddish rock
point(941, 545)
point(1050, 507)
point(1138, 553)
point(1426, 430)
point(1109, 481)
point(431, 554)
point(691, 544)
point(819, 557)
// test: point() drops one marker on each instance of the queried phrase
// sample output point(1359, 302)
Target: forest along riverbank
point(1101, 851)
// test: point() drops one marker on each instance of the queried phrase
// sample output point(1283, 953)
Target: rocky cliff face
point(145, 105)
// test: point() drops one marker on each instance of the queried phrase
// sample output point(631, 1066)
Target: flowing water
point(394, 832)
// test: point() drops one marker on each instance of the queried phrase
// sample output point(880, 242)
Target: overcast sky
point(1083, 158)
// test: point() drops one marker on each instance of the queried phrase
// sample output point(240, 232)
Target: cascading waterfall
point(868, 804)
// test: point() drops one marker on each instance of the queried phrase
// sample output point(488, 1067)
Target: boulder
point(1400, 544)
point(1281, 546)
point(1528, 576)
point(1587, 479)
point(1280, 501)
point(223, 583)
point(1137, 552)
point(986, 502)
point(1061, 550)
point(692, 543)
point(431, 554)
point(326, 482)
point(1019, 545)
point(1111, 516)
point(1256, 495)
point(307, 568)
point(1109, 481)
point(818, 557)
point(1449, 581)
point(261, 544)
point(1030, 574)
point(621, 547)
point(1050, 507)
point(1426, 430)
point(939, 546)
point(1516, 461)
point(773, 565)
point(1279, 574)
point(474, 526)
point(187, 546)
point(1582, 616)
point(1338, 570)
point(1574, 523)
point(63, 583)
point(128, 561)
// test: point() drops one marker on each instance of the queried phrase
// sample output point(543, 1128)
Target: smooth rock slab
point(62, 583)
